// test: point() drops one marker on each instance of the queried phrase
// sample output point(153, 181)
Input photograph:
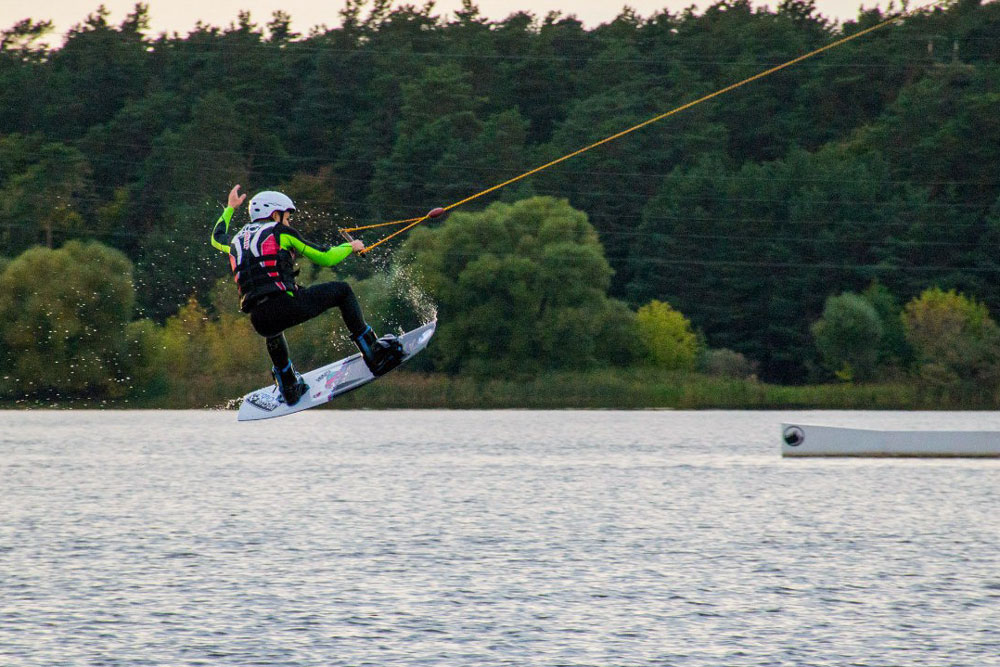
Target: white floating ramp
point(812, 440)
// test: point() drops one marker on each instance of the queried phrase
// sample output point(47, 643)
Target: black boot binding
point(381, 355)
point(290, 384)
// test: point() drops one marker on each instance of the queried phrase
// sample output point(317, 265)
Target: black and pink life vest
point(260, 265)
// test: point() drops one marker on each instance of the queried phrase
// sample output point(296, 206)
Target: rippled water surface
point(488, 538)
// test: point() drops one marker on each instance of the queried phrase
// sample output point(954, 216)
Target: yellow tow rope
point(413, 222)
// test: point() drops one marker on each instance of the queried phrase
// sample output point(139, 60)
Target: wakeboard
point(328, 382)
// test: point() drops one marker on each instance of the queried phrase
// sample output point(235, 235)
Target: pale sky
point(181, 15)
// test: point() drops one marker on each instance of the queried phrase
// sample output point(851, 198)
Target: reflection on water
point(488, 538)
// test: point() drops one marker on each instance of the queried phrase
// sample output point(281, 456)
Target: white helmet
point(265, 203)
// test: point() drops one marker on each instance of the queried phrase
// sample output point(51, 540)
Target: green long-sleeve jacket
point(288, 238)
point(271, 274)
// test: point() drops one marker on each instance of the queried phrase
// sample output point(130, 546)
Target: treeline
point(521, 288)
point(522, 294)
point(877, 162)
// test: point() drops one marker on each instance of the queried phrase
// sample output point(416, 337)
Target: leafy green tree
point(119, 148)
point(727, 363)
point(185, 353)
point(768, 242)
point(437, 118)
point(614, 182)
point(17, 153)
point(98, 68)
point(667, 336)
point(848, 336)
point(954, 338)
point(206, 155)
point(939, 133)
point(618, 341)
point(470, 40)
point(894, 351)
point(24, 71)
point(946, 109)
point(63, 315)
point(540, 62)
point(745, 42)
point(43, 201)
point(520, 287)
point(21, 40)
point(316, 202)
point(339, 89)
point(495, 153)
point(144, 362)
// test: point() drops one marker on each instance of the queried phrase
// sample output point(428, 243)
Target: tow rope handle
point(410, 223)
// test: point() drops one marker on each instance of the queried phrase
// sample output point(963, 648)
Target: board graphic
point(327, 382)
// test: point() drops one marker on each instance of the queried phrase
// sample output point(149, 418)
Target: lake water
point(488, 538)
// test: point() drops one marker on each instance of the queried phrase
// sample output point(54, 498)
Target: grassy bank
point(630, 388)
point(633, 389)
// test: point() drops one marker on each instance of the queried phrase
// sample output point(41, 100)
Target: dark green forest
point(871, 169)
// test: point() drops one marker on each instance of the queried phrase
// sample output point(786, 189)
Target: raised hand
point(235, 198)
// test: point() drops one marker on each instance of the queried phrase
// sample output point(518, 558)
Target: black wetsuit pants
point(281, 311)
